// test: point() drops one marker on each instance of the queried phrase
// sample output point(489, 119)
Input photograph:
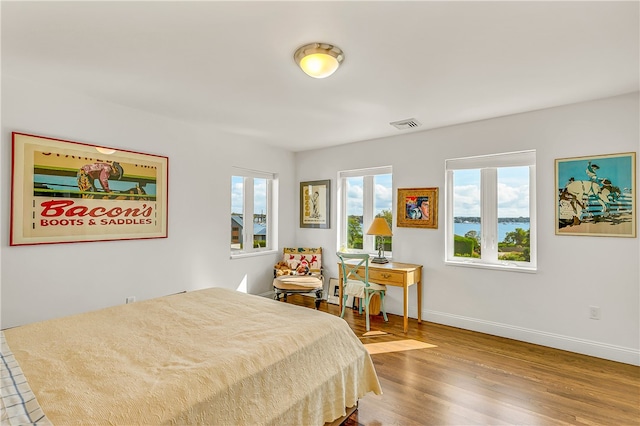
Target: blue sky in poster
point(65, 183)
point(616, 169)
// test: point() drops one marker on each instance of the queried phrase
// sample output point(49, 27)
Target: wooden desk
point(394, 274)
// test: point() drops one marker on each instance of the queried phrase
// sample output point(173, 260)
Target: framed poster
point(595, 195)
point(417, 208)
point(333, 292)
point(64, 192)
point(315, 204)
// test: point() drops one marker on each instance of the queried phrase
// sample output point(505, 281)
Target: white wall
point(41, 282)
point(549, 307)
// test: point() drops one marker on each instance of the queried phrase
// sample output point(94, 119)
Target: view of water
point(503, 228)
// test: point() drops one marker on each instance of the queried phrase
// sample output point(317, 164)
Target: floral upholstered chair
point(299, 271)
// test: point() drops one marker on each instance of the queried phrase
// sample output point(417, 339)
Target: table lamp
point(380, 228)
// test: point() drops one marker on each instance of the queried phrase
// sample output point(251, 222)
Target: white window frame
point(248, 207)
point(489, 165)
point(368, 175)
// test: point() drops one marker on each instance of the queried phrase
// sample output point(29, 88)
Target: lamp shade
point(379, 227)
point(318, 60)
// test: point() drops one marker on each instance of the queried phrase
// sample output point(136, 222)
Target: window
point(364, 195)
point(252, 211)
point(490, 211)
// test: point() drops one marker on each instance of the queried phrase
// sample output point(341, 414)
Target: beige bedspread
point(214, 356)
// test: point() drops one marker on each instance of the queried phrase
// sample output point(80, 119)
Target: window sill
point(252, 254)
point(506, 266)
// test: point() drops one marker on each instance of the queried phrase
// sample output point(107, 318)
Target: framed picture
point(333, 295)
point(64, 192)
point(417, 208)
point(315, 204)
point(333, 292)
point(595, 195)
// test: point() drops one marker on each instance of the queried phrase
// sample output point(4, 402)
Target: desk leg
point(406, 308)
point(419, 302)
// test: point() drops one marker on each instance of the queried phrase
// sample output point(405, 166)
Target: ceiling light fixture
point(319, 60)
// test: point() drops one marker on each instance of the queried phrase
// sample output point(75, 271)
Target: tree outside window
point(365, 195)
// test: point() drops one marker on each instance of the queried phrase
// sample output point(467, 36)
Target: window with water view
point(490, 211)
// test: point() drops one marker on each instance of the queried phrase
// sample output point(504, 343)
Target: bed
point(212, 356)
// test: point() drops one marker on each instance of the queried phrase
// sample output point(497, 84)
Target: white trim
point(507, 159)
point(489, 213)
point(239, 171)
point(502, 266)
point(369, 171)
point(368, 197)
point(241, 255)
point(543, 338)
point(248, 185)
point(533, 218)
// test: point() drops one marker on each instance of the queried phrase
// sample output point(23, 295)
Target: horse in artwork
point(137, 193)
point(578, 192)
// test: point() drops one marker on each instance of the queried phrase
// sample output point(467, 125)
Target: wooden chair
point(353, 284)
point(299, 272)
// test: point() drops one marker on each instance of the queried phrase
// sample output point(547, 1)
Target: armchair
point(299, 272)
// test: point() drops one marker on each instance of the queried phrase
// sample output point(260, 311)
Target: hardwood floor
point(477, 379)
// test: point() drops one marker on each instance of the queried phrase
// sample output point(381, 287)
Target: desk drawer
point(386, 277)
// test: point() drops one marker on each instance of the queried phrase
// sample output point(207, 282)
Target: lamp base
point(379, 260)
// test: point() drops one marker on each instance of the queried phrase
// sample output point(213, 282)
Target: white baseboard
point(557, 341)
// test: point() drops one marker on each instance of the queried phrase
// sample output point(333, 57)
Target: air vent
point(410, 123)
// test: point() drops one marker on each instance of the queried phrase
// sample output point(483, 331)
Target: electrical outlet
point(594, 312)
point(130, 299)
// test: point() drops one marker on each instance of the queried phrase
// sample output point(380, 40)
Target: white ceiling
point(229, 65)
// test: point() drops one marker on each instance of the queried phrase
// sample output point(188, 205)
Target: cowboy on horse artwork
point(578, 193)
point(593, 199)
point(102, 171)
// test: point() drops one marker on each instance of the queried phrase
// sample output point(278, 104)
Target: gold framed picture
point(417, 208)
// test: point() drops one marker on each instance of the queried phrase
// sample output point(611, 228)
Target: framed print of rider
point(596, 195)
point(66, 192)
